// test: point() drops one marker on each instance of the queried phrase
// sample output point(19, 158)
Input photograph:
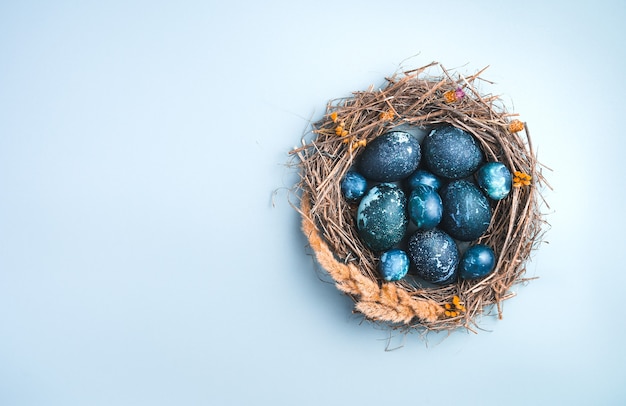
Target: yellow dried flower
point(449, 96)
point(455, 308)
point(359, 143)
point(516, 126)
point(454, 95)
point(521, 179)
point(387, 115)
point(333, 116)
point(340, 130)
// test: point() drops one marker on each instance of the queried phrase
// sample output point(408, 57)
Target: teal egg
point(423, 177)
point(353, 186)
point(466, 211)
point(451, 152)
point(425, 207)
point(434, 256)
point(390, 157)
point(381, 217)
point(393, 265)
point(495, 180)
point(477, 262)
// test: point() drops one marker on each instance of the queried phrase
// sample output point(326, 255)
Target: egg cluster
point(420, 202)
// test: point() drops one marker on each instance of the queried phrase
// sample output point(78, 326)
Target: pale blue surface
point(142, 262)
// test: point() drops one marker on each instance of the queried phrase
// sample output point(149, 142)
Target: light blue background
point(143, 263)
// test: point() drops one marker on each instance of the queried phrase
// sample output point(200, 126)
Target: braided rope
point(387, 303)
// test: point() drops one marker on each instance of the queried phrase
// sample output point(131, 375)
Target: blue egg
point(393, 265)
point(434, 256)
point(466, 211)
point(390, 157)
point(478, 261)
point(353, 186)
point(381, 217)
point(495, 180)
point(425, 207)
point(422, 177)
point(452, 153)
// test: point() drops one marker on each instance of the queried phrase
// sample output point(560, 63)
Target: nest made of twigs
point(418, 98)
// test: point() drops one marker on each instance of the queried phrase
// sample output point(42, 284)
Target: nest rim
point(420, 99)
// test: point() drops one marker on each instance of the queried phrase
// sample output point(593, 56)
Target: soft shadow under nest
point(417, 98)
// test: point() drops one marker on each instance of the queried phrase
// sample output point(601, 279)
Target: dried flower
point(455, 308)
point(521, 179)
point(516, 126)
point(359, 143)
point(333, 116)
point(449, 96)
point(387, 115)
point(454, 95)
point(340, 131)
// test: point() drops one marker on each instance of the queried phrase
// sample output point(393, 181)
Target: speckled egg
point(434, 256)
point(423, 177)
point(478, 261)
point(393, 265)
point(425, 207)
point(381, 217)
point(451, 152)
point(353, 186)
point(390, 157)
point(466, 212)
point(495, 180)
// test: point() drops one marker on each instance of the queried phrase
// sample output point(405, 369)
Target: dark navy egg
point(390, 157)
point(353, 186)
point(393, 265)
point(495, 180)
point(434, 256)
point(451, 152)
point(422, 177)
point(466, 212)
point(478, 261)
point(381, 217)
point(425, 207)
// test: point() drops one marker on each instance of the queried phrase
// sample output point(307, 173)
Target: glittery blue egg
point(434, 256)
point(495, 180)
point(393, 265)
point(425, 207)
point(390, 157)
point(451, 152)
point(466, 212)
point(353, 186)
point(381, 217)
point(423, 177)
point(478, 261)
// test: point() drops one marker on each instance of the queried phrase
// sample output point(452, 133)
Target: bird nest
point(420, 100)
